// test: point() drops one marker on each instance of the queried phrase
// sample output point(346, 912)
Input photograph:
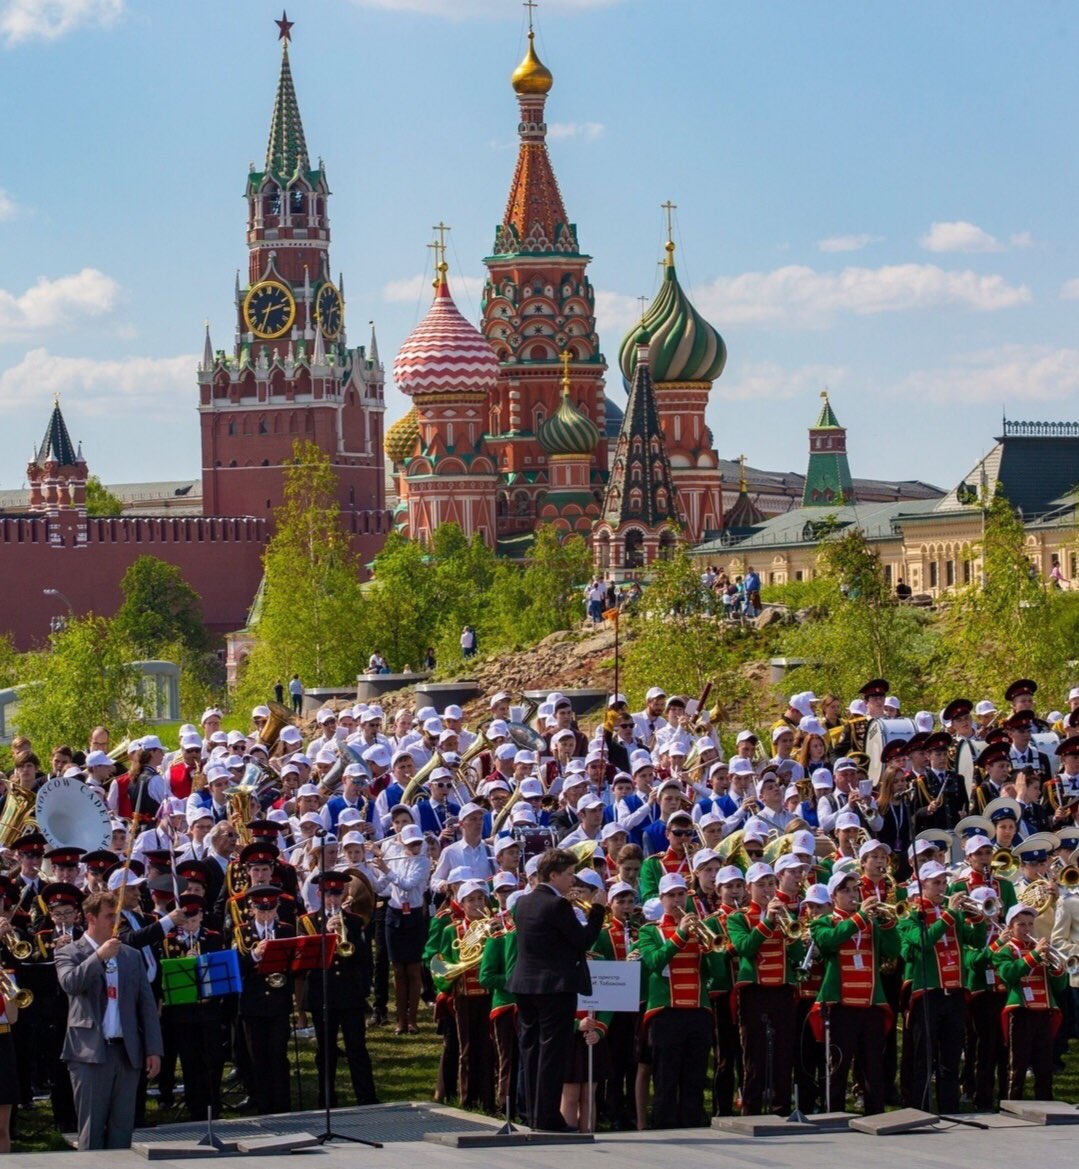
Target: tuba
point(280, 717)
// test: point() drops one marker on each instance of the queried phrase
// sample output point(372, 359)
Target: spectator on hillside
point(295, 689)
point(468, 642)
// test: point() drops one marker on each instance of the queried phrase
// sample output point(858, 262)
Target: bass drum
point(881, 732)
point(966, 752)
point(68, 812)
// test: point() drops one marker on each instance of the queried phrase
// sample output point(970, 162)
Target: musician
point(443, 923)
point(199, 823)
point(406, 874)
point(679, 833)
point(940, 797)
point(196, 1027)
point(993, 769)
point(1035, 816)
point(589, 811)
point(1033, 855)
point(985, 1058)
point(181, 774)
point(29, 850)
point(768, 961)
point(933, 935)
point(470, 852)
point(978, 851)
point(354, 793)
point(649, 721)
point(616, 943)
point(211, 798)
point(852, 736)
point(402, 769)
point(679, 968)
point(10, 1079)
point(1024, 755)
point(855, 941)
point(496, 966)
point(1021, 696)
point(265, 1002)
point(1063, 790)
point(1034, 982)
point(471, 1000)
point(337, 999)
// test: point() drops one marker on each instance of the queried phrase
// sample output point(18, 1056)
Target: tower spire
point(286, 151)
point(207, 350)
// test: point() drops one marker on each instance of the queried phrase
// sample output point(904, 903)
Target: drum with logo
point(881, 732)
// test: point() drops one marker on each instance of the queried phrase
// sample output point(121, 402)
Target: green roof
point(286, 152)
point(827, 419)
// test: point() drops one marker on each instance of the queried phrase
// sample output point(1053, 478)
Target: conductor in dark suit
point(549, 974)
point(113, 1032)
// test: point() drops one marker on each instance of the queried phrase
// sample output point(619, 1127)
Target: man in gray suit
point(112, 1027)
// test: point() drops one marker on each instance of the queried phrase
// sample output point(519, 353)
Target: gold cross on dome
point(529, 4)
point(670, 208)
point(440, 246)
point(742, 473)
point(643, 301)
point(566, 357)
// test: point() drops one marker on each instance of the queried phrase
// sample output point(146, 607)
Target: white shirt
point(476, 858)
point(110, 1026)
point(645, 727)
point(407, 881)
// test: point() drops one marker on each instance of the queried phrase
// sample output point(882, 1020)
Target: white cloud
point(49, 303)
point(589, 131)
point(465, 9)
point(959, 236)
point(799, 295)
point(1005, 374)
point(1069, 290)
point(848, 243)
point(47, 20)
point(413, 288)
point(761, 380)
point(159, 387)
point(1021, 239)
point(8, 207)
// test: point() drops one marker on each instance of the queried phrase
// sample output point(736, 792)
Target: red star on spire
point(285, 25)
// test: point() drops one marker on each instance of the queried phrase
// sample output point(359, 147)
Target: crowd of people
point(852, 906)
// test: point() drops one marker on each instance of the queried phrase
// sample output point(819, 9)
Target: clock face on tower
point(269, 309)
point(329, 310)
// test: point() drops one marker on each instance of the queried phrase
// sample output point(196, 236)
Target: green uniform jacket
point(496, 966)
point(656, 953)
point(747, 940)
point(436, 927)
point(651, 871)
point(829, 934)
point(1013, 970)
point(910, 933)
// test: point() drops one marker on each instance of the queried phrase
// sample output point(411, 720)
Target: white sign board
point(616, 986)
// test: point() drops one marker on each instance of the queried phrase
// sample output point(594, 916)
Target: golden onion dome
point(532, 76)
point(400, 440)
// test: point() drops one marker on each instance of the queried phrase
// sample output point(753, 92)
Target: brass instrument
point(788, 924)
point(1004, 865)
point(17, 947)
point(413, 791)
point(1065, 874)
point(709, 938)
point(11, 990)
point(1038, 895)
point(584, 851)
point(1061, 962)
point(990, 907)
point(280, 717)
point(469, 948)
point(344, 947)
point(242, 808)
point(17, 818)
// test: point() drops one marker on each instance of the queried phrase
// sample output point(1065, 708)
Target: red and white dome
point(444, 353)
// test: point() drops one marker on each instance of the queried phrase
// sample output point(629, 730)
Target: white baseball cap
point(758, 871)
point(671, 881)
point(818, 895)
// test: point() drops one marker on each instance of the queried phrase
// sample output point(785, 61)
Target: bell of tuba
point(280, 717)
point(17, 818)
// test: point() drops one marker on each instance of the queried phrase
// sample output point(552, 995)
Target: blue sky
point(877, 198)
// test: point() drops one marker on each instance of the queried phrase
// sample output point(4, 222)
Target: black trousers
point(297, 704)
point(987, 1053)
point(809, 1069)
point(380, 985)
point(267, 1044)
point(937, 1025)
point(1030, 1045)
point(475, 1073)
point(546, 1031)
point(856, 1033)
point(352, 1024)
point(504, 1034)
point(620, 1085)
point(766, 1025)
point(681, 1039)
point(728, 1055)
point(198, 1042)
point(446, 1027)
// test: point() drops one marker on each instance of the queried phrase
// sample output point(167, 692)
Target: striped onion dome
point(684, 346)
point(444, 354)
point(569, 431)
point(400, 440)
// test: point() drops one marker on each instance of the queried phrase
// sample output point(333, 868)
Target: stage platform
point(401, 1126)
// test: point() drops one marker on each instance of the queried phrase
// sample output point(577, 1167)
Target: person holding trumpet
point(680, 961)
point(854, 942)
point(1035, 975)
point(985, 1057)
point(339, 1005)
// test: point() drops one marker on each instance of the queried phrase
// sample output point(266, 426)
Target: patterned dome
point(444, 354)
point(568, 431)
point(531, 76)
point(400, 440)
point(684, 346)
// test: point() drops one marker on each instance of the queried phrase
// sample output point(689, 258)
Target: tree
point(81, 681)
point(864, 634)
point(100, 501)
point(160, 608)
point(1008, 625)
point(312, 604)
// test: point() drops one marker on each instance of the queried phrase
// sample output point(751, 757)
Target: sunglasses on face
point(681, 832)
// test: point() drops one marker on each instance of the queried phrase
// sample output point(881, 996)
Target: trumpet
point(1066, 875)
point(11, 990)
point(708, 938)
point(16, 947)
point(990, 907)
point(1065, 963)
point(336, 925)
point(787, 924)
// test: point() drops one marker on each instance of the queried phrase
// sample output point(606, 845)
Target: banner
point(616, 986)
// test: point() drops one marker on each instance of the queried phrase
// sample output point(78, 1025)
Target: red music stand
point(292, 955)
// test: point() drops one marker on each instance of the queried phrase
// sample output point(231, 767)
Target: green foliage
point(9, 662)
point(1008, 625)
point(819, 594)
point(80, 682)
point(863, 633)
point(312, 606)
point(678, 644)
point(100, 502)
point(160, 608)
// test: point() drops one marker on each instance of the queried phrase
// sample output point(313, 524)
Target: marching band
point(872, 908)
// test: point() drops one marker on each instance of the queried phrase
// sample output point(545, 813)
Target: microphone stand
point(328, 1135)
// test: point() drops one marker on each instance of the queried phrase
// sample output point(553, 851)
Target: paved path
point(1007, 1141)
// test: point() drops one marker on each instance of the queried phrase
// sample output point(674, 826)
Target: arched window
point(263, 428)
point(666, 545)
point(634, 549)
point(271, 201)
point(232, 427)
point(297, 201)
